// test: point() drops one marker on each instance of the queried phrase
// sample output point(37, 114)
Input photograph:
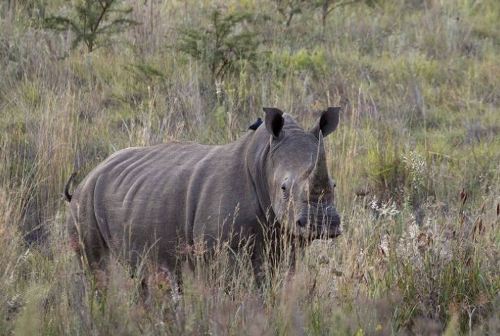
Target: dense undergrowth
point(416, 161)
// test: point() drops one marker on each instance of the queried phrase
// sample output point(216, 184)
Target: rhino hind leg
point(160, 281)
point(85, 238)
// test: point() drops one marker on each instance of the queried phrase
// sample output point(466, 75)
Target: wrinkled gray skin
point(172, 195)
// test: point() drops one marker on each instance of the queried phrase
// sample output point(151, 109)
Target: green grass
point(418, 83)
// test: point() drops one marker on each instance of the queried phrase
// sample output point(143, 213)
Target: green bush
point(223, 45)
point(93, 22)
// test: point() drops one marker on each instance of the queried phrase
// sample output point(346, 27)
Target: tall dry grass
point(415, 159)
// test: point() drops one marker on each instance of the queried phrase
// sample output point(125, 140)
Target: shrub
point(93, 22)
point(223, 45)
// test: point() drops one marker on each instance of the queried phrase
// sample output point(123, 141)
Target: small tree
point(93, 22)
point(288, 8)
point(223, 44)
point(328, 6)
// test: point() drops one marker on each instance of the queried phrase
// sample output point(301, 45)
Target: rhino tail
point(67, 195)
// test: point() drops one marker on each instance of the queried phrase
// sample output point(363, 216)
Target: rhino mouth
point(308, 225)
point(332, 233)
point(320, 232)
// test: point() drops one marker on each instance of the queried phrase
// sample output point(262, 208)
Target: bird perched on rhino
point(255, 125)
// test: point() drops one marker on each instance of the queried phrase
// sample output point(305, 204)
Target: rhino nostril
point(301, 222)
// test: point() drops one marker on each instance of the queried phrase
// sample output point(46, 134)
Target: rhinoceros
point(178, 193)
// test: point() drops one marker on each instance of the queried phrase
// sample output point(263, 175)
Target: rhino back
point(165, 195)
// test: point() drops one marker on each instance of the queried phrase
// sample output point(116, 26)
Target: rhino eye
point(284, 190)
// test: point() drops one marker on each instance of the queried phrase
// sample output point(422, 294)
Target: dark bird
point(256, 124)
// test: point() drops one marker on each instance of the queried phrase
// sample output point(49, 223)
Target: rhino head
point(300, 188)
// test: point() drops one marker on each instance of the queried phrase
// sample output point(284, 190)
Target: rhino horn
point(319, 173)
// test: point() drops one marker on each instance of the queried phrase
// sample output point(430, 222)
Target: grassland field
point(416, 159)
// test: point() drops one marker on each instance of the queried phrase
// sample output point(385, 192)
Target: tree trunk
point(324, 13)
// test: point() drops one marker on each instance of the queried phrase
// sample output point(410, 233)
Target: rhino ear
point(327, 122)
point(274, 120)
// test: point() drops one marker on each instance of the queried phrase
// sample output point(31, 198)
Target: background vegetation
point(416, 158)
